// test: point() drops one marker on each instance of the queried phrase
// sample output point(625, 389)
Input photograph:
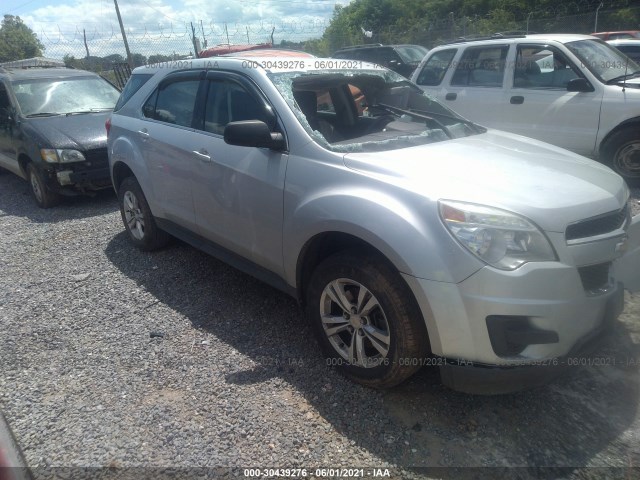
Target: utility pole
point(84, 34)
point(124, 35)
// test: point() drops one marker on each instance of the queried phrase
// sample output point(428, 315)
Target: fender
point(626, 123)
point(385, 223)
point(122, 150)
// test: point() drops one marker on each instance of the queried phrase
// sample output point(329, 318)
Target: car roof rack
point(366, 45)
point(495, 36)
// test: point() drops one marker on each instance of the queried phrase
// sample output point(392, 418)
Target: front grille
point(595, 277)
point(597, 225)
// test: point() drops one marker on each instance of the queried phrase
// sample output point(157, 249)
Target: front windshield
point(411, 53)
point(367, 110)
point(47, 96)
point(604, 61)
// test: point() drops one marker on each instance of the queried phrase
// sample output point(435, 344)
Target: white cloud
point(162, 26)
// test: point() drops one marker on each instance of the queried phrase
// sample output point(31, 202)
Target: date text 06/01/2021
point(316, 472)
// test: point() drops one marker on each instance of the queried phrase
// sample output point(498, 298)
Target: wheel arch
point(119, 172)
point(629, 123)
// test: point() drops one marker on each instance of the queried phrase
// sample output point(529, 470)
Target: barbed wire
point(87, 46)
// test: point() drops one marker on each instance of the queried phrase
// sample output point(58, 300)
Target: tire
point(622, 154)
point(44, 197)
point(137, 218)
point(380, 310)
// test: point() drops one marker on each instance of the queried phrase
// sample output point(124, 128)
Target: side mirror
point(579, 85)
point(253, 133)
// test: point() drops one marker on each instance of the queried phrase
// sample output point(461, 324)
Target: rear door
point(474, 85)
point(167, 138)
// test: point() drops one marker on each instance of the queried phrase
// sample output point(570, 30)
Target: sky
point(60, 24)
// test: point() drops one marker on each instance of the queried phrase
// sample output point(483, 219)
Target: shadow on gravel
point(420, 424)
point(16, 200)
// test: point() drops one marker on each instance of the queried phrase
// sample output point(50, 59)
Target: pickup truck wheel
point(622, 153)
point(137, 217)
point(366, 320)
point(44, 197)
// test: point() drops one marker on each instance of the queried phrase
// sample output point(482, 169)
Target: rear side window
point(175, 103)
point(435, 68)
point(481, 67)
point(133, 85)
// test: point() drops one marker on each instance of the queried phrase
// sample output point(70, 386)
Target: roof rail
point(366, 45)
point(495, 36)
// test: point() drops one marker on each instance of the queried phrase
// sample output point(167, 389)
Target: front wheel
point(622, 153)
point(137, 217)
point(44, 197)
point(366, 320)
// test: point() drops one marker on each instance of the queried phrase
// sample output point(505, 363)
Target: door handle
point(144, 133)
point(451, 96)
point(517, 100)
point(203, 155)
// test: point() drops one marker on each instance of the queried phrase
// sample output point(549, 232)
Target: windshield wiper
point(622, 77)
point(43, 114)
point(93, 110)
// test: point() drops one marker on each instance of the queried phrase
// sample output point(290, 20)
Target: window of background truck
point(481, 67)
point(435, 68)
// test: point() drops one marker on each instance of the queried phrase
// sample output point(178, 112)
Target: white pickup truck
point(573, 91)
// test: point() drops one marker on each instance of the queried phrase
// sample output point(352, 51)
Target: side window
point(228, 101)
point(384, 56)
point(133, 85)
point(542, 67)
point(435, 68)
point(174, 103)
point(4, 98)
point(481, 67)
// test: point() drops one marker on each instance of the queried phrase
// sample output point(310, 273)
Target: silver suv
point(410, 235)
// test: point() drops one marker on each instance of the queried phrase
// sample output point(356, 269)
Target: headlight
point(61, 155)
point(502, 239)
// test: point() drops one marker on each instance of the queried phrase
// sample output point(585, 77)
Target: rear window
point(134, 84)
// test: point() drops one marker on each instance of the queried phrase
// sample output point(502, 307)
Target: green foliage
point(430, 22)
point(17, 40)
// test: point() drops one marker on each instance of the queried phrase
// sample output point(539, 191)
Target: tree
point(17, 40)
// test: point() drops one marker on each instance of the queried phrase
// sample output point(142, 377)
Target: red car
point(617, 35)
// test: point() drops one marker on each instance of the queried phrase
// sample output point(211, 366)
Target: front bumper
point(560, 319)
point(482, 379)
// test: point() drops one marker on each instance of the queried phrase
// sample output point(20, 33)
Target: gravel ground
point(110, 357)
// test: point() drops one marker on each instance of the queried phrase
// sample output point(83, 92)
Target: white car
point(574, 91)
point(630, 47)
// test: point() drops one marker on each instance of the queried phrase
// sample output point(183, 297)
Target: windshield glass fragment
point(367, 110)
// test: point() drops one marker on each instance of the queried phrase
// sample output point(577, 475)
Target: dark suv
point(402, 59)
point(52, 130)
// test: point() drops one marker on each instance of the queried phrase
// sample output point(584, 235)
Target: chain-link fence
point(99, 50)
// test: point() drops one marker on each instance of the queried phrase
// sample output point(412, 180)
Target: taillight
point(107, 125)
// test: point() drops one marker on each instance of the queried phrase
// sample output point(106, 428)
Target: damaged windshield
point(368, 110)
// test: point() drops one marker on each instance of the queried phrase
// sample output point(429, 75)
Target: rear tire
point(138, 219)
point(44, 197)
point(622, 154)
point(366, 320)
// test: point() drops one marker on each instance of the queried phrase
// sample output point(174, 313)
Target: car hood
point(80, 131)
point(549, 185)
